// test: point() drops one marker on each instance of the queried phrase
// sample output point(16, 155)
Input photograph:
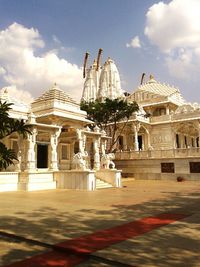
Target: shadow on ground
point(177, 244)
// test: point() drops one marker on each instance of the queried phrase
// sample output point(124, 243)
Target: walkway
point(146, 223)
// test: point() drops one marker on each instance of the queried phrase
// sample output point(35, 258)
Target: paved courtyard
point(32, 222)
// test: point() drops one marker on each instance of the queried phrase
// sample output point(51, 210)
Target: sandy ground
point(57, 215)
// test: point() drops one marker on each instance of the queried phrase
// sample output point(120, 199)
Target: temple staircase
point(100, 184)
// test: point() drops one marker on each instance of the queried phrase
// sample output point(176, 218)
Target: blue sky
point(44, 41)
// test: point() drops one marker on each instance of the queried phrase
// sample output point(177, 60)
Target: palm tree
point(8, 126)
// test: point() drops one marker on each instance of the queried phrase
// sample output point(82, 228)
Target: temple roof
point(55, 93)
point(153, 92)
point(156, 87)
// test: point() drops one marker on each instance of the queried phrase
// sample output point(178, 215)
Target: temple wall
point(151, 168)
point(161, 137)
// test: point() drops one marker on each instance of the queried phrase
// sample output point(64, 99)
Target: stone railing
point(164, 153)
point(189, 115)
point(160, 118)
point(174, 117)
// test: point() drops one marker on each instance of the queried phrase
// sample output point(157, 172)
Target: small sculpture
point(106, 161)
point(79, 160)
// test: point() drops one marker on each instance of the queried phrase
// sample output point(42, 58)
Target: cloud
point(21, 95)
point(175, 29)
point(24, 66)
point(135, 43)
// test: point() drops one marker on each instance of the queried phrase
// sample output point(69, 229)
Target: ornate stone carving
point(106, 161)
point(79, 160)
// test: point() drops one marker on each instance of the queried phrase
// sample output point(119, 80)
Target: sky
point(44, 41)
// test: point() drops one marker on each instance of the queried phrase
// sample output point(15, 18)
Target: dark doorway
point(91, 156)
point(120, 141)
point(42, 156)
point(177, 141)
point(76, 147)
point(140, 142)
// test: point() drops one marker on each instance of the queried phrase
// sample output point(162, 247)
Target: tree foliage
point(110, 115)
point(8, 126)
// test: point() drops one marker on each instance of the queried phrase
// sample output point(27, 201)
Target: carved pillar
point(180, 140)
point(167, 110)
point(96, 154)
point(31, 161)
point(148, 137)
point(81, 140)
point(103, 146)
point(197, 139)
point(19, 154)
point(54, 154)
point(136, 138)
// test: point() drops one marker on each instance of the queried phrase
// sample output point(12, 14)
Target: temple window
point(64, 152)
point(159, 112)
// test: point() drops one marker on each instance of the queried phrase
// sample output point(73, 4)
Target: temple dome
point(153, 92)
point(156, 87)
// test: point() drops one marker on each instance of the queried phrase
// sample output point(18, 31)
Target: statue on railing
point(79, 161)
point(106, 161)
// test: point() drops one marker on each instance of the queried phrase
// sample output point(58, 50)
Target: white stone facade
point(58, 136)
point(166, 129)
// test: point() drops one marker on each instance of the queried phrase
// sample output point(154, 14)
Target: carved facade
point(59, 143)
point(165, 120)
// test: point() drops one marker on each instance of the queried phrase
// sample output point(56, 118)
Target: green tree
point(110, 115)
point(8, 126)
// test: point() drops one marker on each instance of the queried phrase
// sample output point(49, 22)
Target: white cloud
point(175, 29)
point(21, 95)
point(135, 43)
point(21, 67)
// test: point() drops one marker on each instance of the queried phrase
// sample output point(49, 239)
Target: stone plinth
point(75, 179)
point(8, 181)
point(33, 181)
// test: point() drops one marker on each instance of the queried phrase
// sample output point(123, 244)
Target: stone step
point(101, 184)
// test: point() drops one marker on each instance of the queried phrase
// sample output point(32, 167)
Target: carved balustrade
point(164, 153)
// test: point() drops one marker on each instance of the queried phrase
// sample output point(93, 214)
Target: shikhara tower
point(102, 82)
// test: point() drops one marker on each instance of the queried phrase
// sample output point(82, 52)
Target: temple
point(103, 82)
point(160, 141)
point(61, 151)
